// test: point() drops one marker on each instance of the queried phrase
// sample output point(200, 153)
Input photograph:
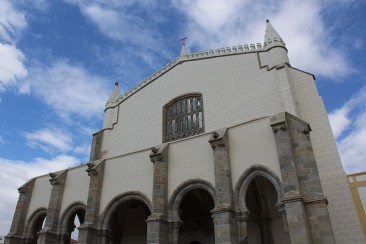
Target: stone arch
point(68, 213)
point(246, 178)
point(33, 220)
point(181, 190)
point(116, 201)
point(193, 237)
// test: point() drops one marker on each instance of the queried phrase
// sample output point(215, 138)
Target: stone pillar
point(226, 230)
point(88, 230)
point(20, 215)
point(104, 237)
point(294, 204)
point(48, 233)
point(157, 224)
point(305, 204)
point(174, 231)
point(311, 189)
point(242, 218)
point(96, 147)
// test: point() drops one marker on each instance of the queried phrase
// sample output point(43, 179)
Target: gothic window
point(183, 117)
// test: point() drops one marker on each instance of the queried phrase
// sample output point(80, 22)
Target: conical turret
point(271, 37)
point(114, 98)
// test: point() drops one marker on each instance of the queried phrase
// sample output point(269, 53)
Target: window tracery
point(183, 117)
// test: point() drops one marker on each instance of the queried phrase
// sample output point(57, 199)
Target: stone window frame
point(175, 101)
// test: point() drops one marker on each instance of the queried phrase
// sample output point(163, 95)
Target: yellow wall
point(357, 184)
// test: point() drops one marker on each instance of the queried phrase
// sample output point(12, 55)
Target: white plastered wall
point(191, 158)
point(234, 90)
point(252, 143)
point(133, 172)
point(76, 187)
point(311, 109)
point(40, 195)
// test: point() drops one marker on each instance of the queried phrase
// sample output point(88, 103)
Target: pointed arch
point(73, 209)
point(116, 202)
point(180, 192)
point(33, 220)
point(246, 178)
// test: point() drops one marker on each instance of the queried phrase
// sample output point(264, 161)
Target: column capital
point(219, 138)
point(58, 178)
point(94, 167)
point(242, 215)
point(159, 153)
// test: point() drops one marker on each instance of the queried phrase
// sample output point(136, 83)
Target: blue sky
point(59, 61)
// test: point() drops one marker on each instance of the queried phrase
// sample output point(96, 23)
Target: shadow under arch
point(76, 208)
point(246, 178)
point(180, 192)
point(116, 202)
point(34, 222)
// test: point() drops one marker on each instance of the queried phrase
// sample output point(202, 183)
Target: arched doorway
point(265, 224)
point(128, 222)
point(35, 224)
point(195, 214)
point(72, 217)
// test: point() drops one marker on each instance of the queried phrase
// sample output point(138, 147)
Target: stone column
point(20, 215)
point(96, 147)
point(157, 224)
point(305, 204)
point(294, 204)
point(242, 218)
point(88, 230)
point(226, 230)
point(104, 237)
point(174, 231)
point(311, 189)
point(48, 233)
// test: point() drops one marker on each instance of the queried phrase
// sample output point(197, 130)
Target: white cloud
point(12, 21)
point(11, 65)
point(349, 127)
point(339, 121)
point(236, 22)
point(49, 140)
point(68, 89)
point(13, 174)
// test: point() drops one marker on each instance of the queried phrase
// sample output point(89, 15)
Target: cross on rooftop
point(183, 40)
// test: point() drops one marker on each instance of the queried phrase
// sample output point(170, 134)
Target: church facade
point(221, 146)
